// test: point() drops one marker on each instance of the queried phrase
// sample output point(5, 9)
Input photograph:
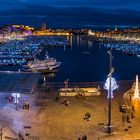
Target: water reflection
point(90, 44)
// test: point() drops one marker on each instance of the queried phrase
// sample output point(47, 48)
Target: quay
point(22, 82)
point(47, 117)
point(42, 33)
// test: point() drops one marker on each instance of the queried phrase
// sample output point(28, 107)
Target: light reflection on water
point(88, 61)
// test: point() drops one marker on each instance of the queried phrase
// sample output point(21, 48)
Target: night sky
point(123, 12)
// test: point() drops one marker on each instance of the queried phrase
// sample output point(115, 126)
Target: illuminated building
point(43, 27)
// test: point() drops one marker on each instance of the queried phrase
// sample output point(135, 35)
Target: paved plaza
point(22, 82)
point(48, 119)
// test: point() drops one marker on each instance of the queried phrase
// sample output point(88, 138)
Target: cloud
point(127, 4)
point(81, 14)
point(10, 5)
point(23, 0)
point(82, 11)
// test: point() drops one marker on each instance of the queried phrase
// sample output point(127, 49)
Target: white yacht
point(47, 65)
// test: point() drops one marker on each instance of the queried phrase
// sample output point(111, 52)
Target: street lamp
point(110, 85)
point(110, 81)
point(66, 83)
point(16, 99)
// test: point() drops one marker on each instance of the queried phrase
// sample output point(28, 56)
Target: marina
point(76, 57)
point(19, 52)
point(124, 40)
point(127, 48)
point(69, 70)
point(78, 62)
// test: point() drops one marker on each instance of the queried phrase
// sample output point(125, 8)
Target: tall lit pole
point(110, 91)
point(110, 85)
point(16, 99)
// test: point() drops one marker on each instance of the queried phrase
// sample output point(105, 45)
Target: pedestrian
point(87, 116)
point(132, 115)
point(23, 105)
point(84, 137)
point(27, 105)
point(66, 102)
point(130, 97)
point(128, 119)
point(20, 136)
point(79, 138)
point(133, 109)
point(10, 99)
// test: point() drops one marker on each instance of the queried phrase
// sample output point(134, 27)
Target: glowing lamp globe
point(113, 86)
point(16, 97)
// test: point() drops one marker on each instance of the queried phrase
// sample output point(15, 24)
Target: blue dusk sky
point(125, 12)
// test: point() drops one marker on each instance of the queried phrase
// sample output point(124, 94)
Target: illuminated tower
point(43, 27)
point(116, 29)
point(136, 90)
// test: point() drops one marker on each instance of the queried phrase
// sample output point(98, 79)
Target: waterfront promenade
point(21, 82)
point(49, 119)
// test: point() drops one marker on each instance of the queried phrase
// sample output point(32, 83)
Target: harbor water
point(88, 61)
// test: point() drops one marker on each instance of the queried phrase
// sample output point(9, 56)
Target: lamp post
point(66, 82)
point(16, 99)
point(110, 85)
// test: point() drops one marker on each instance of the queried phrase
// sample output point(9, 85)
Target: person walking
point(84, 137)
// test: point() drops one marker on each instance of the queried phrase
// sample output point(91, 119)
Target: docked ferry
point(43, 66)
